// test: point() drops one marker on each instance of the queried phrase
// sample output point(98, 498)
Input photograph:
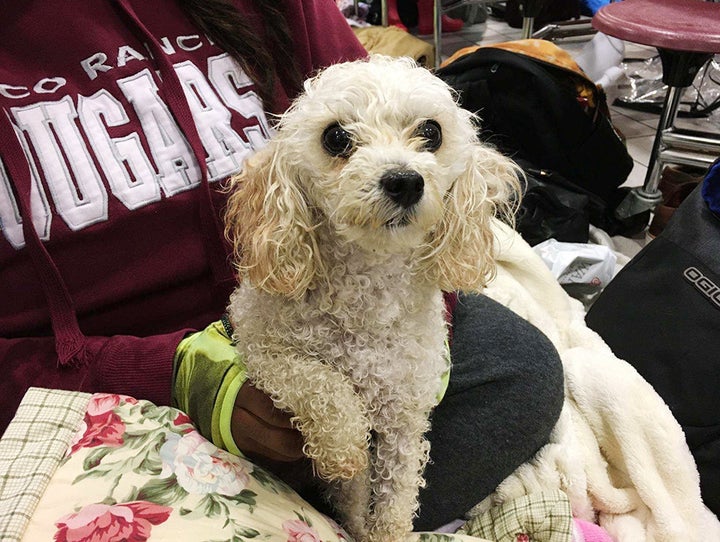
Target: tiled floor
point(637, 127)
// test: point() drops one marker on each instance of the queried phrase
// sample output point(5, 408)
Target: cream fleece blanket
point(617, 450)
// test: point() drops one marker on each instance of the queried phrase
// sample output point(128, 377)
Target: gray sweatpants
point(503, 399)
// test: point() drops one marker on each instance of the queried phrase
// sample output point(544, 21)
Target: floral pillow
point(135, 472)
point(138, 472)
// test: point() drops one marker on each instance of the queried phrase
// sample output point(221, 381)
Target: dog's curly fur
point(339, 311)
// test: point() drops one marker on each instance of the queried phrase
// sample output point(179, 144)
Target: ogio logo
point(703, 284)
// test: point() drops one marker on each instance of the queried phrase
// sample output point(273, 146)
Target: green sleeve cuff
point(208, 374)
point(445, 378)
point(222, 414)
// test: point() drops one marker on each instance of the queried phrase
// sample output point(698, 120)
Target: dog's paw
point(391, 519)
point(338, 464)
point(388, 532)
point(357, 527)
point(338, 444)
point(375, 535)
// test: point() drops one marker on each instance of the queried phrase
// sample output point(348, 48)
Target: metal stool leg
point(527, 27)
point(667, 120)
point(679, 69)
point(647, 197)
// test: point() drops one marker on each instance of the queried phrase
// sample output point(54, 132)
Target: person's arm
point(210, 385)
point(137, 366)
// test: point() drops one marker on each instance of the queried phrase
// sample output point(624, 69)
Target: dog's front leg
point(401, 455)
point(327, 410)
point(351, 500)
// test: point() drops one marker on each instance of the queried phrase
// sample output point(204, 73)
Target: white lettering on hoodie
point(65, 139)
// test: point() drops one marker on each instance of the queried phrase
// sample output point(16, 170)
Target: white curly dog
point(374, 195)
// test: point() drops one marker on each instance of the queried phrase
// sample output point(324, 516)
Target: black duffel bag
point(661, 314)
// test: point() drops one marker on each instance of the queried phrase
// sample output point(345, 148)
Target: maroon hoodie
point(119, 119)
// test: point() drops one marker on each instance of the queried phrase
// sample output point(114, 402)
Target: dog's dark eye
point(431, 133)
point(337, 141)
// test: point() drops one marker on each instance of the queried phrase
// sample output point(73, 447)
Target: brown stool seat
point(679, 25)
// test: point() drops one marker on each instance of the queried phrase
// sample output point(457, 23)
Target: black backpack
point(531, 110)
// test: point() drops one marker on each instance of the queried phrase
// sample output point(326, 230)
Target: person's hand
point(262, 431)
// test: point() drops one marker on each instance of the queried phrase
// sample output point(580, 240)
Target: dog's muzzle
point(404, 187)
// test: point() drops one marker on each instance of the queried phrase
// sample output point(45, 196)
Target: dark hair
point(264, 55)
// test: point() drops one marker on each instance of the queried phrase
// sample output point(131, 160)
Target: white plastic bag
point(581, 268)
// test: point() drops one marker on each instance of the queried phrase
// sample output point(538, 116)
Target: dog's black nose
point(404, 187)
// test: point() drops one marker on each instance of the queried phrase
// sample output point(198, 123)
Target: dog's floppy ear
point(271, 227)
point(461, 252)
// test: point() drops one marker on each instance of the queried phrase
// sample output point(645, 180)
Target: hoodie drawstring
point(177, 102)
point(70, 343)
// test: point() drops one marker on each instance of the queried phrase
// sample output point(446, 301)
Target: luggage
point(552, 208)
point(537, 106)
point(661, 314)
point(544, 12)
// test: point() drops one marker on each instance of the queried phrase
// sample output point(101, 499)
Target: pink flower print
point(300, 531)
point(339, 531)
point(183, 419)
point(129, 522)
point(102, 403)
point(75, 443)
point(101, 426)
point(106, 431)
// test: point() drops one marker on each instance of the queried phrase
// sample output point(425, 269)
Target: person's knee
point(544, 385)
point(520, 365)
point(503, 400)
point(535, 378)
